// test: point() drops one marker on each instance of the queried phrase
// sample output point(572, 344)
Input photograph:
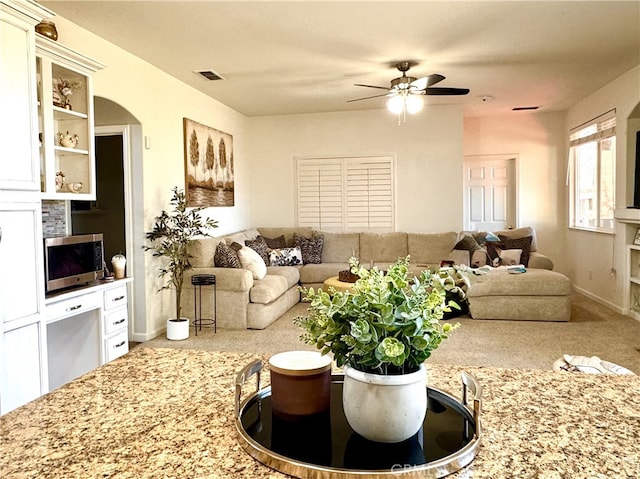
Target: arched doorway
point(119, 197)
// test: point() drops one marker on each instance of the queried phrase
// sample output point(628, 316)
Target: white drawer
point(116, 345)
point(72, 306)
point(115, 320)
point(115, 297)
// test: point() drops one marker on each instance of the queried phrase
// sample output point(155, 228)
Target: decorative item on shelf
point(636, 239)
point(68, 140)
point(170, 238)
point(62, 90)
point(48, 29)
point(381, 331)
point(59, 180)
point(75, 187)
point(107, 276)
point(118, 263)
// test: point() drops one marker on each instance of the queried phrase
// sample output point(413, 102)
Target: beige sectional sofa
point(245, 302)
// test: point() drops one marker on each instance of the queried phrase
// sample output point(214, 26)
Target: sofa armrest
point(227, 279)
point(540, 261)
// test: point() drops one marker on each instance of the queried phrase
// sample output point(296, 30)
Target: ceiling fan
point(405, 90)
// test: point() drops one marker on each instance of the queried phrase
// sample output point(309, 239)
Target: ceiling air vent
point(209, 75)
point(524, 108)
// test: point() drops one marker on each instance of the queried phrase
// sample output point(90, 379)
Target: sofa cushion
point(431, 248)
point(285, 257)
point(241, 236)
point(522, 233)
point(386, 247)
point(311, 248)
point(203, 251)
point(524, 243)
point(339, 247)
point(274, 232)
point(535, 282)
point(274, 243)
point(317, 273)
point(468, 243)
point(226, 256)
point(252, 261)
point(290, 273)
point(268, 289)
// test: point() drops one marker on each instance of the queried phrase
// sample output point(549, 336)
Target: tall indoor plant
point(381, 331)
point(170, 237)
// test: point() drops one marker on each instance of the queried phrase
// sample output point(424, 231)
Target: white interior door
point(490, 192)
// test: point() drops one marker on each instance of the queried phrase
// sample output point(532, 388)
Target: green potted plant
point(381, 331)
point(170, 237)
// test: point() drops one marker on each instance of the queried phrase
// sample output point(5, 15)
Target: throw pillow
point(285, 256)
point(252, 261)
point(518, 243)
point(226, 257)
point(509, 257)
point(260, 246)
point(273, 243)
point(311, 248)
point(467, 243)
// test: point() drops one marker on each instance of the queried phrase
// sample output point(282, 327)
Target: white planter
point(178, 329)
point(385, 408)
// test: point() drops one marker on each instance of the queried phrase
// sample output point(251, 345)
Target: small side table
point(198, 281)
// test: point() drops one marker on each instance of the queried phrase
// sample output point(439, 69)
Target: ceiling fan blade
point(426, 82)
point(367, 97)
point(372, 86)
point(447, 91)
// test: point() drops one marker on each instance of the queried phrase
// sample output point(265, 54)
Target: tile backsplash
point(54, 218)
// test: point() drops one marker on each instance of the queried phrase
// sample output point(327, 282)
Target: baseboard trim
point(600, 300)
point(141, 338)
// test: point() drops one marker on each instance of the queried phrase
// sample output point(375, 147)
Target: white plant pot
point(385, 408)
point(178, 329)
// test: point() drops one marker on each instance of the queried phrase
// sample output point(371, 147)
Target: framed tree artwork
point(208, 165)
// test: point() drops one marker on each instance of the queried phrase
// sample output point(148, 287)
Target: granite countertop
point(168, 413)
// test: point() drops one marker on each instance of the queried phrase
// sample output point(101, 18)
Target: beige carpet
point(594, 330)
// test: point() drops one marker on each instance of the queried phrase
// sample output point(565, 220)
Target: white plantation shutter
point(345, 194)
point(369, 194)
point(320, 194)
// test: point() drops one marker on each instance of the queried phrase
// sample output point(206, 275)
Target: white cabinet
point(65, 114)
point(86, 327)
point(115, 322)
point(18, 124)
point(22, 335)
point(633, 276)
point(23, 363)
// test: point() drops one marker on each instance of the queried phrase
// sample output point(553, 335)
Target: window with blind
point(346, 194)
point(592, 161)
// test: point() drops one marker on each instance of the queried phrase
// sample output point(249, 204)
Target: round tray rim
point(303, 470)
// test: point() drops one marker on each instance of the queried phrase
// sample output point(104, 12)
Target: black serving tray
point(325, 446)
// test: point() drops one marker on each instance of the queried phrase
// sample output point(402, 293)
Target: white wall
point(592, 256)
point(539, 142)
point(160, 102)
point(428, 151)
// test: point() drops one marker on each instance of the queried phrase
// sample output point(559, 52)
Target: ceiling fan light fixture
point(414, 103)
point(395, 104)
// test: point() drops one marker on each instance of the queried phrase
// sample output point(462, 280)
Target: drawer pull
point(73, 308)
point(120, 321)
point(119, 298)
point(116, 346)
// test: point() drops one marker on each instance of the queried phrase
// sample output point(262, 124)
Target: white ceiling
point(286, 57)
